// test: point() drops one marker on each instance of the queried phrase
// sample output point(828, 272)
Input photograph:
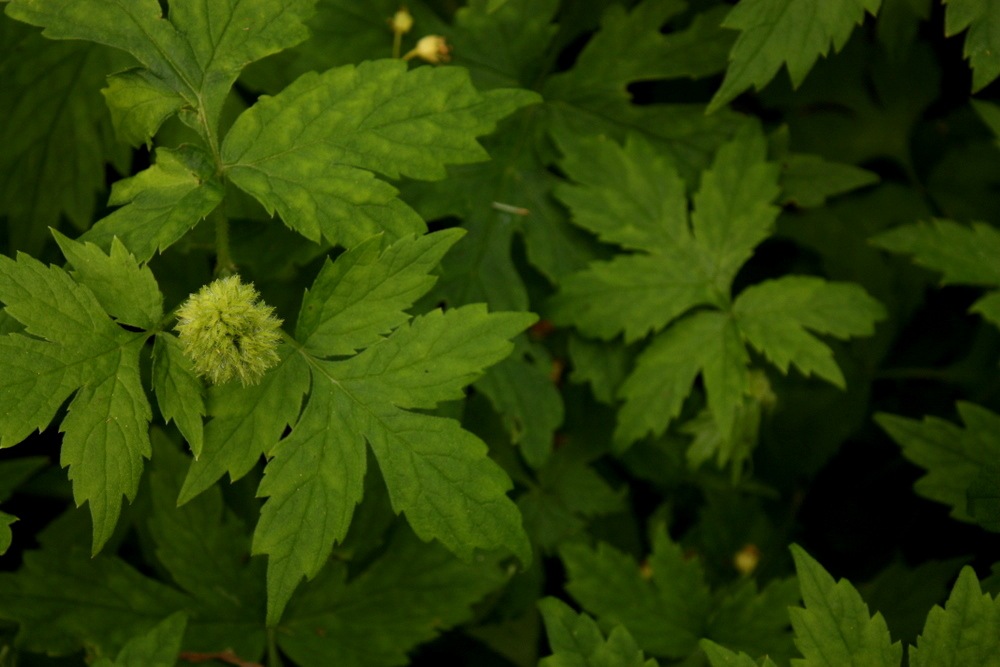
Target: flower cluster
point(228, 332)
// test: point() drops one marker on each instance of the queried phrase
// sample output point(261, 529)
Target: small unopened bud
point(401, 21)
point(432, 48)
point(227, 332)
point(746, 559)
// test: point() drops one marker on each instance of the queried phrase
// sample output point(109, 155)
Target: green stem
point(273, 659)
point(223, 257)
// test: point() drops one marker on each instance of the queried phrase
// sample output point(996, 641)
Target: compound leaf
point(835, 626)
point(790, 32)
point(435, 472)
point(75, 347)
point(309, 152)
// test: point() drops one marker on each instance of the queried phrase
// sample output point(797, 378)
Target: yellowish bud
point(746, 559)
point(432, 48)
point(401, 21)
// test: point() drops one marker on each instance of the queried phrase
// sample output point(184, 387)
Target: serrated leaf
point(197, 51)
point(965, 632)
point(720, 656)
point(964, 254)
point(641, 52)
point(204, 547)
point(411, 593)
point(160, 204)
point(125, 290)
point(435, 472)
point(835, 626)
point(604, 366)
point(55, 131)
point(179, 392)
point(666, 615)
point(951, 455)
point(808, 180)
point(707, 341)
point(246, 422)
point(575, 639)
point(775, 314)
point(789, 32)
point(157, 648)
point(982, 46)
point(139, 102)
point(77, 348)
point(62, 598)
point(350, 122)
point(361, 297)
point(983, 497)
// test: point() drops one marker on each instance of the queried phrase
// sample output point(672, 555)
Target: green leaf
point(125, 290)
point(246, 422)
point(74, 347)
point(179, 392)
point(435, 472)
point(140, 102)
point(790, 32)
point(775, 314)
point(808, 180)
point(406, 597)
point(630, 47)
point(835, 628)
point(522, 390)
point(309, 152)
point(5, 535)
point(707, 342)
point(602, 365)
point(197, 51)
point(964, 254)
point(157, 648)
point(965, 632)
point(362, 296)
point(55, 131)
point(666, 614)
point(952, 456)
point(205, 549)
point(720, 656)
point(575, 639)
point(160, 204)
point(685, 266)
point(984, 498)
point(62, 598)
point(982, 46)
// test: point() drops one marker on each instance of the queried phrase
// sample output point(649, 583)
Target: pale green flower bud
point(228, 332)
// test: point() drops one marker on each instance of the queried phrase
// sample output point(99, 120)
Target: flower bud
point(228, 332)
point(401, 21)
point(432, 48)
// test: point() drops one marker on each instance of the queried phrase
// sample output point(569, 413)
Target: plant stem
point(273, 659)
point(223, 258)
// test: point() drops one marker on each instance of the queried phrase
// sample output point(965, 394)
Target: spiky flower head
point(228, 332)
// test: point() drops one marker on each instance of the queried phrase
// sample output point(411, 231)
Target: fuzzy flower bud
point(432, 48)
point(228, 332)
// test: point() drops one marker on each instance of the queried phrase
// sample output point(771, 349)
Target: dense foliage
point(335, 332)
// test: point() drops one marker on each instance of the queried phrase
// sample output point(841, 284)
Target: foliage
point(559, 326)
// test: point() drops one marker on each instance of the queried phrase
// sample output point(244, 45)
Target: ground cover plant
point(512, 332)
